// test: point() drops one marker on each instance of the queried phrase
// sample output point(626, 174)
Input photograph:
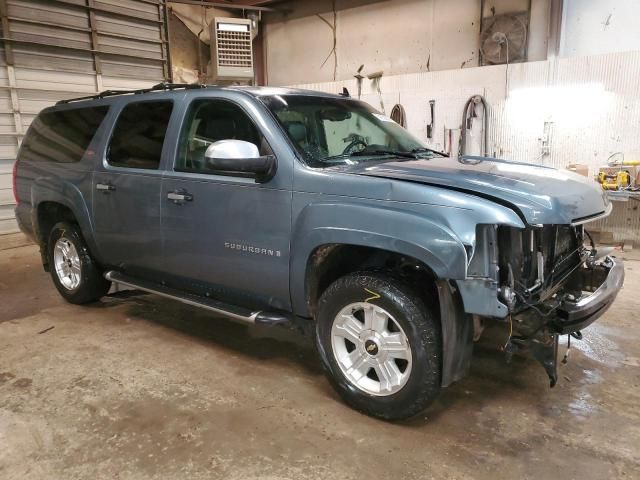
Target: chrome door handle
point(105, 187)
point(179, 196)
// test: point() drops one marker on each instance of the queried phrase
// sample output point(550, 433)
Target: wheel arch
point(374, 226)
point(53, 201)
point(328, 262)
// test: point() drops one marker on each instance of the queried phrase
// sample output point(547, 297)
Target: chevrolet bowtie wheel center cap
point(371, 347)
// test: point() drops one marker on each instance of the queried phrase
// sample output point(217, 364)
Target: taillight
point(15, 184)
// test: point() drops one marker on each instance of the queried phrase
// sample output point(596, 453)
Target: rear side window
point(139, 135)
point(62, 136)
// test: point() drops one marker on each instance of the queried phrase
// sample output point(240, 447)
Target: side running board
point(233, 312)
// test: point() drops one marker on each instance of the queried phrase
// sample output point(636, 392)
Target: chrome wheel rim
point(67, 263)
point(371, 349)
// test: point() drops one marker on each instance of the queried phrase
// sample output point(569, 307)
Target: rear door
point(126, 189)
point(230, 238)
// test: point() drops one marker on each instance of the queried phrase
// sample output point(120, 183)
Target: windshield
point(335, 131)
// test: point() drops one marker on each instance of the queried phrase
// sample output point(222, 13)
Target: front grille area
point(519, 258)
point(565, 253)
point(565, 240)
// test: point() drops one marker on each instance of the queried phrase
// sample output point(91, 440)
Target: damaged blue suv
point(276, 206)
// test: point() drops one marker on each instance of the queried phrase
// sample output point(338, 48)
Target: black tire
point(92, 285)
point(421, 328)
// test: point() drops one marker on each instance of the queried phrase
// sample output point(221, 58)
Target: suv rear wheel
point(74, 272)
point(379, 345)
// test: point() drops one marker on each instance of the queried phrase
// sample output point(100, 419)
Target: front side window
point(331, 131)
point(139, 135)
point(62, 136)
point(209, 121)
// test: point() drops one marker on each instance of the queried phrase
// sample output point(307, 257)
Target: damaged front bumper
point(602, 280)
point(598, 282)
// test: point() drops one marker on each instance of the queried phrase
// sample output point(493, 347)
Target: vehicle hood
point(542, 195)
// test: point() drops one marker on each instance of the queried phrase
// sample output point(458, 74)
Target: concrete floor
point(142, 388)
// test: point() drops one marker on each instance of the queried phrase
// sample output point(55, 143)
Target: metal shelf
point(623, 195)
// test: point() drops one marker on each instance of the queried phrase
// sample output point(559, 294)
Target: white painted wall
point(591, 102)
point(395, 36)
point(595, 26)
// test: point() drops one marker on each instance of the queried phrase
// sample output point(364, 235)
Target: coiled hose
point(466, 115)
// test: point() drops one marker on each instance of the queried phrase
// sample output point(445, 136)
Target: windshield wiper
point(430, 150)
point(413, 154)
point(398, 153)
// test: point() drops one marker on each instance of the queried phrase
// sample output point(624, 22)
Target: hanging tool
point(358, 76)
point(432, 123)
point(448, 139)
point(375, 80)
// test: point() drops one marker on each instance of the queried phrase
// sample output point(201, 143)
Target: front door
point(225, 236)
point(126, 189)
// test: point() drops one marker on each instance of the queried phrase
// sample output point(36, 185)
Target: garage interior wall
point(593, 26)
point(396, 37)
point(52, 50)
point(580, 106)
point(189, 38)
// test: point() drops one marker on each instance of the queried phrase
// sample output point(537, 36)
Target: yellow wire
point(510, 332)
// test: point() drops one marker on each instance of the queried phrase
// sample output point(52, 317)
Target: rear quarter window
point(138, 136)
point(62, 136)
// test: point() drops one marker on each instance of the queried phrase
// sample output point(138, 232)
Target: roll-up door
point(51, 50)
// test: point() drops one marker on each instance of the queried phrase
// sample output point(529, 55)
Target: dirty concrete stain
point(6, 376)
point(23, 382)
point(141, 388)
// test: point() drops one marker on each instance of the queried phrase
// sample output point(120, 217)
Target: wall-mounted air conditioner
point(231, 51)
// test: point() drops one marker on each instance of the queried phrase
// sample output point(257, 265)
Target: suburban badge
point(241, 247)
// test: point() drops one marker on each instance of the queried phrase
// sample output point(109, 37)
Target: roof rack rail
point(159, 87)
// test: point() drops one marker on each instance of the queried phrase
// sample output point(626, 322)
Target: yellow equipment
point(620, 174)
point(614, 180)
point(628, 163)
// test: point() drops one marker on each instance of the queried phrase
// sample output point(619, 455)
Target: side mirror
point(239, 157)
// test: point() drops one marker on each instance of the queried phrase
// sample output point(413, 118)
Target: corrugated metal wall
point(623, 223)
point(51, 50)
point(590, 105)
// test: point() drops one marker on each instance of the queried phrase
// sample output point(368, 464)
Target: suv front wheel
point(73, 270)
point(379, 344)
